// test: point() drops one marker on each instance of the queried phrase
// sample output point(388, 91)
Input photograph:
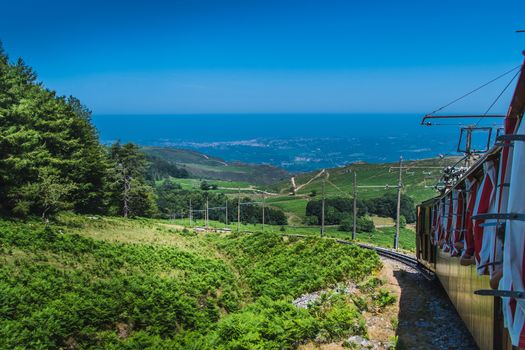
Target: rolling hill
point(202, 166)
point(419, 177)
point(418, 181)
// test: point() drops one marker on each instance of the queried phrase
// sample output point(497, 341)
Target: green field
point(295, 208)
point(223, 185)
point(383, 236)
point(418, 180)
point(417, 183)
point(340, 180)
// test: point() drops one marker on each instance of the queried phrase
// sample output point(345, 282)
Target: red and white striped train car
point(473, 237)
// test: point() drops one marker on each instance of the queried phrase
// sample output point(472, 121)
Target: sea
point(295, 142)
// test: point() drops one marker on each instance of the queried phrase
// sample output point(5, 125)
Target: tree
point(386, 206)
point(131, 194)
point(52, 193)
point(39, 129)
point(159, 169)
point(205, 186)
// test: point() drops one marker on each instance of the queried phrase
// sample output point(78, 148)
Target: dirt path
point(426, 319)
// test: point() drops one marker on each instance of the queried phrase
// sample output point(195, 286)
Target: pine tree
point(41, 130)
point(131, 194)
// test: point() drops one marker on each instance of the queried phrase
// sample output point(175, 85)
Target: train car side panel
point(477, 312)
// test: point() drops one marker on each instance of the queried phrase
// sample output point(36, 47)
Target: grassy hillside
point(148, 284)
point(417, 183)
point(414, 179)
point(202, 166)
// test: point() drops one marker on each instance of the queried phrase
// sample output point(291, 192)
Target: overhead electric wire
point(473, 91)
point(337, 188)
point(498, 97)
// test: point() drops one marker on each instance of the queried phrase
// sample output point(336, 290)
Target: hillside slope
point(207, 167)
point(418, 182)
point(94, 282)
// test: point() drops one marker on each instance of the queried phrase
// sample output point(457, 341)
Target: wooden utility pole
point(226, 211)
point(191, 213)
point(399, 187)
point(263, 203)
point(207, 212)
point(355, 206)
point(239, 211)
point(322, 208)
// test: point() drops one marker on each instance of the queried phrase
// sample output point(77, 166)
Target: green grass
point(372, 175)
point(340, 184)
point(383, 236)
point(295, 208)
point(191, 184)
point(416, 182)
point(112, 283)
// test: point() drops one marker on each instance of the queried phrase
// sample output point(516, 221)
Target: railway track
point(399, 257)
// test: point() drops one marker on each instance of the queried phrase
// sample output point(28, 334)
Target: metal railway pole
point(399, 186)
point(239, 211)
point(355, 207)
point(226, 211)
point(207, 212)
point(191, 213)
point(264, 199)
point(322, 209)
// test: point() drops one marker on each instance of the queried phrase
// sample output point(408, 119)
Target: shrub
point(63, 290)
point(384, 298)
point(402, 221)
point(311, 220)
point(363, 224)
point(275, 268)
point(266, 324)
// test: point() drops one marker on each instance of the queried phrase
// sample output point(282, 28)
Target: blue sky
point(267, 56)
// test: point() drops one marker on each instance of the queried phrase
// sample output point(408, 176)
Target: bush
point(261, 258)
point(347, 225)
point(384, 298)
point(311, 220)
point(266, 324)
point(363, 224)
point(402, 221)
point(104, 294)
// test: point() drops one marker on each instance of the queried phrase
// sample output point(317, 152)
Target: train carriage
point(473, 237)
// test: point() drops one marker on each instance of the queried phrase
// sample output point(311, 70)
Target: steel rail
point(399, 257)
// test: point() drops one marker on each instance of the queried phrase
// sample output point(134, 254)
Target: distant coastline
point(295, 142)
